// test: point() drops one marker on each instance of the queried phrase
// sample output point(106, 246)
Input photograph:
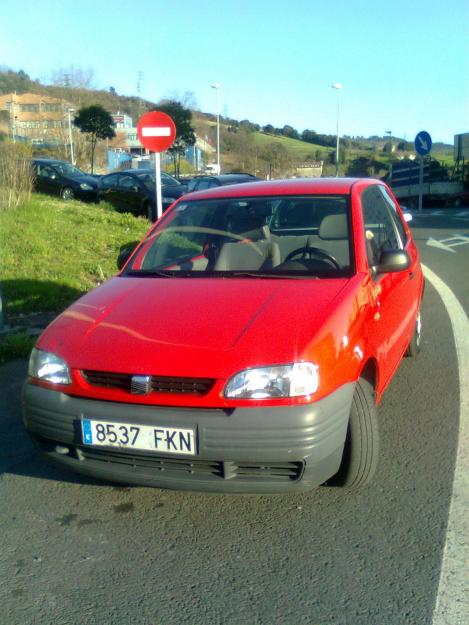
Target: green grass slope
point(51, 251)
point(297, 150)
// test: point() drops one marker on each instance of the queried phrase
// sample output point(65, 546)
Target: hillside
point(244, 146)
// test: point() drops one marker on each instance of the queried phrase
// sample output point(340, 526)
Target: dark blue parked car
point(64, 179)
point(133, 191)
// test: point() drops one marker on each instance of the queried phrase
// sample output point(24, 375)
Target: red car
point(242, 347)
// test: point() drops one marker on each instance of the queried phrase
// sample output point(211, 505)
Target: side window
point(203, 184)
point(109, 181)
point(395, 215)
point(380, 230)
point(46, 172)
point(127, 182)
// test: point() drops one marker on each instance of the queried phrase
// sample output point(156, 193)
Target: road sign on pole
point(423, 146)
point(423, 143)
point(156, 132)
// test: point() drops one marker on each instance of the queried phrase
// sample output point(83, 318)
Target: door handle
point(411, 275)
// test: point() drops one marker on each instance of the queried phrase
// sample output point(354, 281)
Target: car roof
point(294, 186)
point(50, 161)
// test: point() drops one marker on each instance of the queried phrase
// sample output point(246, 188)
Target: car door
point(47, 179)
point(394, 295)
point(108, 188)
point(130, 194)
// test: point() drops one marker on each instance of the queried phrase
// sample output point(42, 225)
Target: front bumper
point(250, 450)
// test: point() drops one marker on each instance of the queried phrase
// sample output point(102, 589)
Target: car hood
point(191, 326)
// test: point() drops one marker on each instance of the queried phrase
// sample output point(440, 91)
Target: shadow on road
point(18, 454)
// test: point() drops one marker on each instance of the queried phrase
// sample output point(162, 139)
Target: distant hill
point(242, 141)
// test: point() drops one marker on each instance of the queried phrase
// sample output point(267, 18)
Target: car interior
point(289, 234)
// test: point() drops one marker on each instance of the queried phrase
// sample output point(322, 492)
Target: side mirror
point(125, 253)
point(392, 261)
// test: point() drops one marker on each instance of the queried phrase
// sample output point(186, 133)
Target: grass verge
point(14, 346)
point(53, 251)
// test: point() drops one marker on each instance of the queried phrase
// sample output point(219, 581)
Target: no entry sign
point(156, 131)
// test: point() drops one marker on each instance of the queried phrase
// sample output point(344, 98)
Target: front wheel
point(361, 449)
point(67, 194)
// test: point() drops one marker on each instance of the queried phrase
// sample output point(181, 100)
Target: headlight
point(300, 378)
point(48, 367)
point(86, 187)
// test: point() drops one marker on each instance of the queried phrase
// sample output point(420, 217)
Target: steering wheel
point(311, 252)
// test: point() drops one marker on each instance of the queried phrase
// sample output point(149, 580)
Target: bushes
point(16, 178)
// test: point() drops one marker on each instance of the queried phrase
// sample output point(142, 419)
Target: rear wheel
point(67, 194)
point(414, 346)
point(361, 450)
point(147, 210)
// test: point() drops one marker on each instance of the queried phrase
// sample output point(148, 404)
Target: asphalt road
point(75, 551)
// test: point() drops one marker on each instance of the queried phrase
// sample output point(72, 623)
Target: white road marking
point(448, 244)
point(452, 603)
point(156, 131)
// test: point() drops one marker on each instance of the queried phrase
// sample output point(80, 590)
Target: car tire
point(147, 210)
point(67, 194)
point(413, 348)
point(361, 449)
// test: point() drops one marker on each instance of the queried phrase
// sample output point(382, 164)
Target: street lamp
point(70, 111)
point(338, 87)
point(217, 86)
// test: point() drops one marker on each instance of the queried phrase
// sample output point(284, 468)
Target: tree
point(97, 123)
point(289, 131)
point(276, 157)
point(185, 135)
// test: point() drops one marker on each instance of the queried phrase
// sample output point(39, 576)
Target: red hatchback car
point(242, 347)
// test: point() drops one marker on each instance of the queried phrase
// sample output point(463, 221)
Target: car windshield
point(269, 237)
point(65, 169)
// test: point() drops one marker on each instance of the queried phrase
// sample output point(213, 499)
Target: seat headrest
point(334, 227)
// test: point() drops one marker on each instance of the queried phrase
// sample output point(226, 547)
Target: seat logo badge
point(140, 384)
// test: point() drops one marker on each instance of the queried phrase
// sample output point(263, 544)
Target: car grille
point(198, 468)
point(159, 384)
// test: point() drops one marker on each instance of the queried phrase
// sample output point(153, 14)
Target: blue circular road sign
point(423, 143)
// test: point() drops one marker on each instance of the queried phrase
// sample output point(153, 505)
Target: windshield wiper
point(248, 274)
point(153, 273)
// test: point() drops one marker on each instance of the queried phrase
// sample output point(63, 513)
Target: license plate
point(146, 437)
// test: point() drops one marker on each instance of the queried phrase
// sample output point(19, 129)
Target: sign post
point(156, 131)
point(423, 146)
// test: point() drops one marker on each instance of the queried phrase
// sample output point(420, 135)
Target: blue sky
point(403, 64)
